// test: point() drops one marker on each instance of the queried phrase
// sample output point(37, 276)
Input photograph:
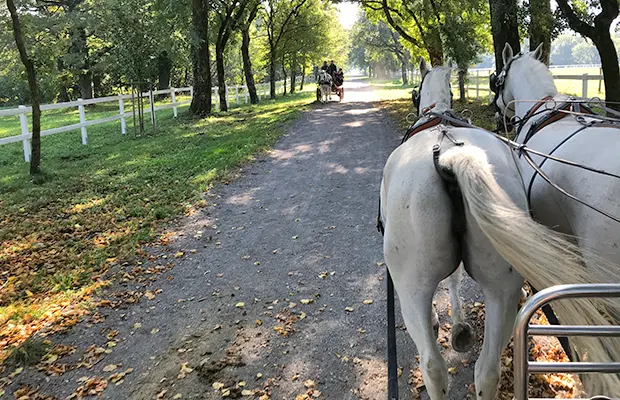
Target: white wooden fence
point(478, 75)
point(236, 92)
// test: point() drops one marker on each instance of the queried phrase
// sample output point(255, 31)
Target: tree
point(597, 29)
point(35, 94)
point(245, 52)
point(201, 58)
point(382, 43)
point(415, 21)
point(229, 15)
point(504, 28)
point(278, 16)
point(541, 27)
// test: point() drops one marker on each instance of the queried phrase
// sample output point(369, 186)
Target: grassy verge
point(100, 202)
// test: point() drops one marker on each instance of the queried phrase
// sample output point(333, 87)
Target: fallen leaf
point(179, 254)
point(309, 384)
point(177, 396)
point(306, 301)
point(184, 371)
point(137, 325)
point(110, 368)
point(149, 295)
point(154, 331)
point(452, 370)
point(259, 375)
point(247, 392)
point(295, 237)
point(380, 263)
point(240, 304)
point(367, 301)
point(348, 309)
point(217, 385)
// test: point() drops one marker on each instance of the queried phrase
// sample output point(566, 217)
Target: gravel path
point(294, 240)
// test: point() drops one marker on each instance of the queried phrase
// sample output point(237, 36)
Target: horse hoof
point(463, 337)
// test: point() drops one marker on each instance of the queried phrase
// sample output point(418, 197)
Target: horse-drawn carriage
point(328, 85)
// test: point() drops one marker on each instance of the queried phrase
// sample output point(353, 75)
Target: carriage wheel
point(318, 94)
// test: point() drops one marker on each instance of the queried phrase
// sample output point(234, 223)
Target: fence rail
point(481, 74)
point(236, 92)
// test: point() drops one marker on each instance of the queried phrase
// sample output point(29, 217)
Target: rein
point(497, 83)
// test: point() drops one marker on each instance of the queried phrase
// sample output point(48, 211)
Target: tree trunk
point(293, 78)
point(221, 78)
point(462, 93)
point(35, 93)
point(97, 87)
point(63, 96)
point(81, 67)
point(201, 59)
point(541, 24)
point(504, 28)
point(284, 74)
point(164, 70)
point(609, 63)
point(303, 78)
point(247, 62)
point(272, 71)
point(403, 71)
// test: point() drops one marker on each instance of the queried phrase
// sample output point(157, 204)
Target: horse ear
point(507, 54)
point(538, 53)
point(423, 66)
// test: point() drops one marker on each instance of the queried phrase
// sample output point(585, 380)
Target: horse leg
point(463, 336)
point(417, 268)
point(416, 305)
point(501, 311)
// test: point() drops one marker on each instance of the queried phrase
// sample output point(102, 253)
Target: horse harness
point(571, 106)
point(459, 226)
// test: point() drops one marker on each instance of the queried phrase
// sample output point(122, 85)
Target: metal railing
point(523, 367)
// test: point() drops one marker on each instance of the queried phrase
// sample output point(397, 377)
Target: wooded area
point(81, 48)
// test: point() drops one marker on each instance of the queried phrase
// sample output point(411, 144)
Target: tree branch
point(398, 28)
point(574, 21)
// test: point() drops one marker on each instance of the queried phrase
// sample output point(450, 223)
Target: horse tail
point(542, 256)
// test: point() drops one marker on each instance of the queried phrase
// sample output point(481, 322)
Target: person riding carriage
point(332, 78)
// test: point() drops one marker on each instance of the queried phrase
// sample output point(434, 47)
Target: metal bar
point(573, 330)
point(572, 367)
point(530, 307)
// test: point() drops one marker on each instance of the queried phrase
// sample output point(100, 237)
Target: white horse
point(421, 248)
point(526, 84)
point(325, 82)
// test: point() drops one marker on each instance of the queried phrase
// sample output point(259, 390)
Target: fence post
point(83, 121)
point(237, 95)
point(245, 92)
point(152, 105)
point(477, 84)
point(191, 91)
point(174, 101)
point(23, 121)
point(584, 86)
point(217, 97)
point(227, 102)
point(121, 111)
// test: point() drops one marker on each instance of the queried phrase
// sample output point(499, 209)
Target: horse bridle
point(497, 84)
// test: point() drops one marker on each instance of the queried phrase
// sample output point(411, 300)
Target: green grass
point(391, 89)
point(99, 202)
